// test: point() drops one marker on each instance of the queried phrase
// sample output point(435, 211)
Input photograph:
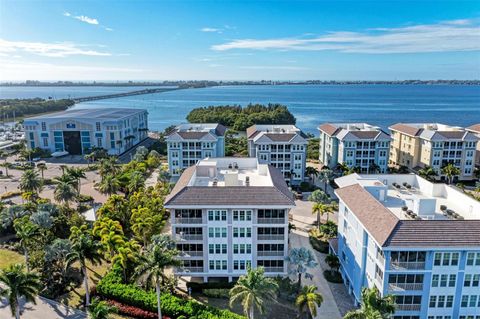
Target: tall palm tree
point(18, 283)
point(30, 182)
point(99, 309)
point(427, 172)
point(301, 259)
point(450, 171)
point(163, 176)
point(374, 168)
point(64, 192)
point(76, 173)
point(321, 209)
point(152, 265)
point(311, 172)
point(252, 290)
point(373, 306)
point(342, 167)
point(326, 175)
point(137, 181)
point(108, 166)
point(42, 167)
point(27, 232)
point(83, 248)
point(108, 185)
point(309, 299)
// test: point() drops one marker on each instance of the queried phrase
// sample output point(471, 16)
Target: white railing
point(273, 269)
point(405, 286)
point(271, 237)
point(407, 265)
point(409, 307)
point(183, 220)
point(190, 237)
point(271, 220)
point(191, 253)
point(190, 269)
point(270, 253)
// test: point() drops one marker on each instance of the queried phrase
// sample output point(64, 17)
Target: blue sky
point(239, 40)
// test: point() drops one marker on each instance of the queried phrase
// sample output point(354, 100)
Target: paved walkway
point(44, 309)
point(328, 309)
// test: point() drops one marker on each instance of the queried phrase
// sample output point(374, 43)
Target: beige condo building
point(475, 129)
point(416, 145)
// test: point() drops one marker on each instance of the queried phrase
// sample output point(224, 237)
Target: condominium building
point(189, 143)
point(475, 129)
point(78, 130)
point(414, 239)
point(358, 145)
point(228, 214)
point(416, 145)
point(282, 146)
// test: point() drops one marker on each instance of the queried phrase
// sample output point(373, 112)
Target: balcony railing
point(191, 253)
point(404, 286)
point(190, 237)
point(183, 220)
point(271, 237)
point(271, 220)
point(273, 269)
point(381, 259)
point(408, 307)
point(408, 265)
point(270, 253)
point(378, 278)
point(190, 269)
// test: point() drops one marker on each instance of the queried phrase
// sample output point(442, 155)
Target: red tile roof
point(406, 129)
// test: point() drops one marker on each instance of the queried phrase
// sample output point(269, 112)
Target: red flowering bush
point(133, 311)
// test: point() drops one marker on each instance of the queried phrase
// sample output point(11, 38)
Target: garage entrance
point(72, 142)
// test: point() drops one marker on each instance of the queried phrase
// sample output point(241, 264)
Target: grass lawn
point(8, 257)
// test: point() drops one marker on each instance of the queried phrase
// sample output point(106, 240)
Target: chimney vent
point(247, 181)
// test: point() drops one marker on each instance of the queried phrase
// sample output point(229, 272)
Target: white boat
point(59, 153)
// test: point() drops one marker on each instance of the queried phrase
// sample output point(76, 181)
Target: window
point(45, 141)
point(217, 232)
point(242, 215)
point(473, 259)
point(433, 301)
point(449, 303)
point(446, 259)
point(464, 302)
point(242, 232)
point(217, 215)
point(452, 280)
point(435, 280)
point(44, 126)
point(443, 280)
point(98, 127)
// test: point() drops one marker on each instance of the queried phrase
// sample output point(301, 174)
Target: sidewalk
point(328, 309)
point(44, 309)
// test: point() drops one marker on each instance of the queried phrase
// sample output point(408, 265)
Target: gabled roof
point(196, 131)
point(329, 129)
point(474, 128)
point(406, 129)
point(275, 133)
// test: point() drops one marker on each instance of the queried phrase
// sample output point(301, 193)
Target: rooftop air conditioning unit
point(235, 165)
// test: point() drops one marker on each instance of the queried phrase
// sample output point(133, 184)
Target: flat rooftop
point(89, 114)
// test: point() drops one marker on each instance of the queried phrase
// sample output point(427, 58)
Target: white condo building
point(283, 146)
point(78, 130)
point(227, 214)
point(414, 239)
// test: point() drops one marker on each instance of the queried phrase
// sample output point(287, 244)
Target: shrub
point(200, 286)
point(10, 194)
point(287, 288)
point(84, 198)
point(217, 293)
point(133, 311)
point(329, 229)
point(443, 207)
point(319, 245)
point(306, 187)
point(333, 276)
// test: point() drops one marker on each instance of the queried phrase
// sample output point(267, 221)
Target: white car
point(59, 154)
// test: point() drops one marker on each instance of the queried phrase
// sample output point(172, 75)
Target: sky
point(118, 40)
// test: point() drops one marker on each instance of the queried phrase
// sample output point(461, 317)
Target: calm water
point(380, 105)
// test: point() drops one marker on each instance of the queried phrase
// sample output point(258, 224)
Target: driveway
point(44, 309)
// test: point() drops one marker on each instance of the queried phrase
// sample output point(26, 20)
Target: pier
point(115, 95)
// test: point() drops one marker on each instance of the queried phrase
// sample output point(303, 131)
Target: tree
point(136, 182)
point(321, 209)
point(145, 223)
point(450, 171)
point(301, 259)
point(332, 262)
point(27, 232)
point(152, 265)
point(30, 182)
point(373, 306)
point(108, 185)
point(83, 248)
point(374, 168)
point(252, 290)
point(128, 253)
point(428, 173)
point(319, 196)
point(64, 192)
point(342, 167)
point(111, 235)
point(311, 172)
point(163, 177)
point(100, 309)
point(108, 166)
point(309, 299)
point(42, 167)
point(325, 176)
point(76, 173)
point(17, 283)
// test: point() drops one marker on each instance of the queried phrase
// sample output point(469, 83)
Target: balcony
point(190, 237)
point(274, 269)
point(183, 220)
point(271, 237)
point(407, 265)
point(191, 253)
point(189, 269)
point(405, 287)
point(408, 307)
point(271, 220)
point(270, 253)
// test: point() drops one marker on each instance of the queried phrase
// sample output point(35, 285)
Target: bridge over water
point(114, 95)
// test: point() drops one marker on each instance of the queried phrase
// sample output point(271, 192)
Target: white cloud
point(87, 19)
point(67, 14)
point(207, 29)
point(108, 29)
point(456, 35)
point(56, 50)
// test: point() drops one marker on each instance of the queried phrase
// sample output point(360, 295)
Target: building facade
point(416, 145)
point(358, 145)
point(427, 254)
point(228, 214)
point(77, 131)
point(282, 146)
point(475, 129)
point(189, 143)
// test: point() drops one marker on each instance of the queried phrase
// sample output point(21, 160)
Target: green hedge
point(199, 286)
point(318, 245)
point(111, 287)
point(334, 277)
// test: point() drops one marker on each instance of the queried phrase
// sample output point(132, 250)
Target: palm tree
point(18, 283)
point(309, 299)
point(111, 235)
point(342, 167)
point(76, 173)
point(252, 290)
point(301, 259)
point(27, 232)
point(450, 171)
point(374, 168)
point(109, 185)
point(108, 166)
point(321, 209)
point(83, 248)
point(326, 175)
point(332, 262)
point(428, 173)
point(311, 172)
point(42, 167)
point(373, 306)
point(128, 253)
point(30, 182)
point(163, 176)
point(137, 181)
point(64, 192)
point(100, 309)
point(152, 265)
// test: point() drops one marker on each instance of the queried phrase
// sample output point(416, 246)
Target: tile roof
point(182, 181)
point(220, 130)
point(365, 134)
point(192, 135)
point(474, 128)
point(279, 137)
point(376, 218)
point(452, 134)
point(406, 129)
point(435, 233)
point(251, 131)
point(328, 128)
